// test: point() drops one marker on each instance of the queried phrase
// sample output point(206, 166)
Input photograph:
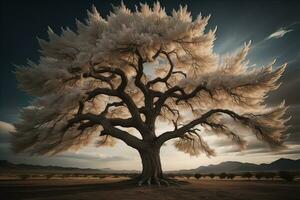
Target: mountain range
point(229, 166)
point(8, 167)
point(282, 164)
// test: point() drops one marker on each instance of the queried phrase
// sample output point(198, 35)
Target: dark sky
point(237, 21)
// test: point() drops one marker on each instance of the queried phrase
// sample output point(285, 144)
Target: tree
point(49, 176)
point(222, 175)
point(197, 176)
point(259, 175)
point(211, 175)
point(286, 175)
point(23, 176)
point(268, 175)
point(116, 78)
point(188, 176)
point(247, 175)
point(230, 176)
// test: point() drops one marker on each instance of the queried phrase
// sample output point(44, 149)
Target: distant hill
point(229, 166)
point(232, 166)
point(6, 167)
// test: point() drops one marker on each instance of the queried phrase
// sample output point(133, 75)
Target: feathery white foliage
point(64, 76)
point(193, 145)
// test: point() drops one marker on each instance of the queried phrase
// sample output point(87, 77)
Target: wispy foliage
point(92, 80)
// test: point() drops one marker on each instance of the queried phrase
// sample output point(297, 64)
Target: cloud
point(288, 92)
point(290, 150)
point(6, 127)
point(88, 156)
point(279, 33)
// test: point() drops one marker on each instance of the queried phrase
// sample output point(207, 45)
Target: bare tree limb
point(166, 78)
point(182, 130)
point(108, 126)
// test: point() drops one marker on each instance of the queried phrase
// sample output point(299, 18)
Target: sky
point(272, 26)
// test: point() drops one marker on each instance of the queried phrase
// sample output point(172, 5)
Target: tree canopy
point(113, 77)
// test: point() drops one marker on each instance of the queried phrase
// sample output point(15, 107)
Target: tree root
point(158, 181)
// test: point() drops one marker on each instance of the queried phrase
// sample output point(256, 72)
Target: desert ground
point(117, 188)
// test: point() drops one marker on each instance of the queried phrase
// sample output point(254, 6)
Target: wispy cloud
point(6, 127)
point(279, 33)
point(5, 130)
point(93, 156)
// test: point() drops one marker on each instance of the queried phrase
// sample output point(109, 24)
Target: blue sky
point(273, 27)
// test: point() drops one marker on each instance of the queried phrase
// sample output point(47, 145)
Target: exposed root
point(152, 172)
point(159, 181)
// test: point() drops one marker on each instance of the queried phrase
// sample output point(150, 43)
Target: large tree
point(115, 78)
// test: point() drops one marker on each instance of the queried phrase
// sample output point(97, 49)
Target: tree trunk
point(152, 171)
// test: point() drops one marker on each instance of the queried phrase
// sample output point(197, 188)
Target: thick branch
point(129, 139)
point(163, 97)
point(108, 127)
point(140, 73)
point(182, 130)
point(179, 94)
point(113, 104)
point(123, 96)
point(148, 93)
point(121, 122)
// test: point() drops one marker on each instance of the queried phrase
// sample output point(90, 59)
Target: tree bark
point(152, 171)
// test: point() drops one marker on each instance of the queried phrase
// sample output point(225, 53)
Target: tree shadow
point(40, 191)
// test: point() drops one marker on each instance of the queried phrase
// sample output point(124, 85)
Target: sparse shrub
point(222, 175)
point(48, 176)
point(76, 175)
point(197, 176)
point(133, 175)
point(259, 175)
point(188, 176)
point(181, 175)
point(268, 175)
point(63, 176)
point(171, 175)
point(247, 175)
point(211, 175)
point(100, 176)
point(230, 176)
point(286, 175)
point(34, 176)
point(24, 176)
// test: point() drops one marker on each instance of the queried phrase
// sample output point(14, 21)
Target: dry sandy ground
point(109, 189)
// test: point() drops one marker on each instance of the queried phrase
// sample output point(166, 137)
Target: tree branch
point(163, 97)
point(148, 95)
point(108, 127)
point(134, 111)
point(186, 96)
point(118, 92)
point(106, 79)
point(182, 130)
point(168, 75)
point(140, 73)
point(117, 71)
